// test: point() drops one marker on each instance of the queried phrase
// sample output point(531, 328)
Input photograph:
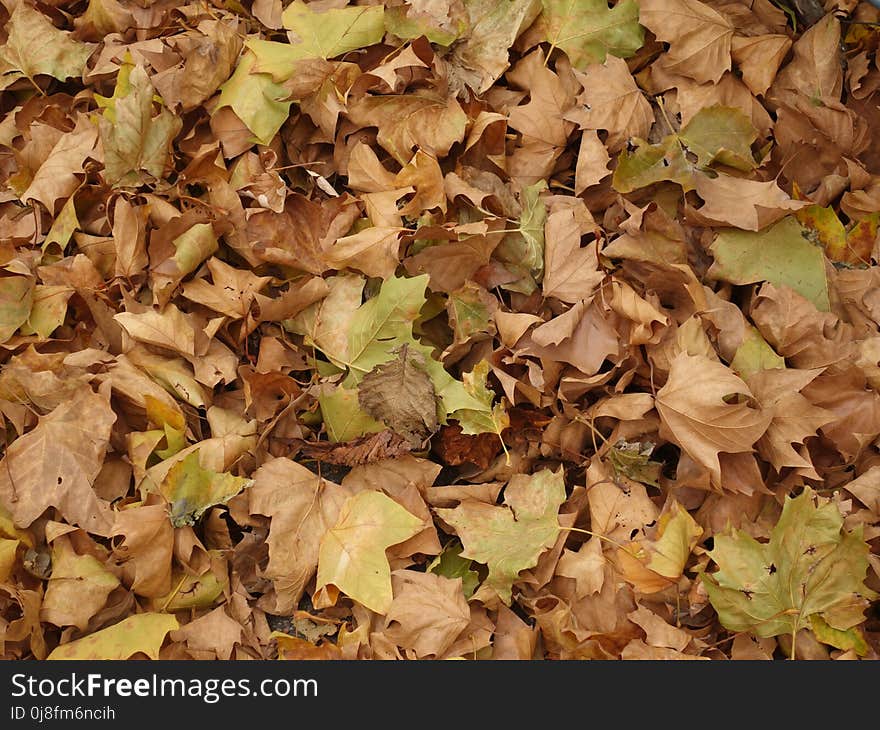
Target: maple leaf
point(401, 394)
point(794, 417)
point(693, 408)
point(78, 587)
point(143, 633)
point(811, 567)
point(571, 273)
point(778, 254)
point(479, 59)
point(190, 489)
point(427, 614)
point(588, 30)
point(426, 121)
point(56, 54)
point(352, 556)
point(257, 100)
point(651, 565)
point(723, 134)
point(741, 203)
point(509, 539)
point(699, 37)
point(76, 434)
point(450, 564)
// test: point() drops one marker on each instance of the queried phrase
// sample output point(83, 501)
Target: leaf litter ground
point(482, 329)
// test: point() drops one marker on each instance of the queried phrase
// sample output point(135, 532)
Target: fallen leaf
point(143, 633)
point(76, 434)
point(401, 395)
point(776, 588)
point(693, 408)
point(352, 555)
point(511, 538)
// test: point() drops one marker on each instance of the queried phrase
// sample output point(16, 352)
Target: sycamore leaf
point(450, 564)
point(652, 565)
point(190, 489)
point(16, 301)
point(571, 273)
point(332, 32)
point(405, 122)
point(35, 46)
point(699, 37)
point(401, 395)
point(694, 411)
point(48, 311)
point(428, 612)
point(136, 141)
point(56, 464)
point(479, 59)
point(612, 101)
point(77, 589)
point(480, 416)
point(747, 204)
point(143, 633)
point(511, 538)
point(779, 254)
point(523, 249)
point(256, 99)
point(588, 30)
point(352, 555)
point(810, 567)
point(721, 134)
point(632, 459)
point(653, 163)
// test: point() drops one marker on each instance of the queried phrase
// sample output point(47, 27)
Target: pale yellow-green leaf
point(588, 30)
point(141, 633)
point(510, 538)
point(352, 555)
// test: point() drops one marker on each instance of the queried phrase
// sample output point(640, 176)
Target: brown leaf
point(694, 412)
point(56, 463)
point(401, 395)
point(427, 614)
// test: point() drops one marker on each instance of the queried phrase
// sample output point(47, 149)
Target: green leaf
point(779, 254)
point(135, 141)
point(191, 489)
point(480, 58)
point(352, 553)
point(511, 538)
point(49, 310)
point(632, 459)
point(450, 564)
point(380, 324)
point(845, 640)
point(16, 300)
point(468, 312)
point(653, 163)
point(142, 633)
point(256, 100)
point(343, 418)
point(523, 250)
point(485, 418)
point(754, 354)
point(588, 30)
point(810, 567)
point(333, 32)
point(317, 35)
point(721, 134)
point(35, 46)
point(408, 24)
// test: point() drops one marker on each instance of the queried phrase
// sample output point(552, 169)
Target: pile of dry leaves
point(495, 329)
